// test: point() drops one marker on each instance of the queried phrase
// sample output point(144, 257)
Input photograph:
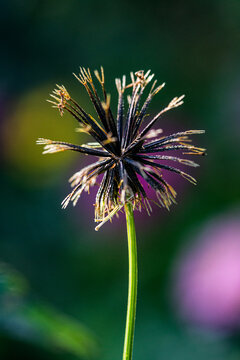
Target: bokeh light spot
point(34, 118)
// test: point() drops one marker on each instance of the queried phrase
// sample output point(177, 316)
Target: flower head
point(125, 154)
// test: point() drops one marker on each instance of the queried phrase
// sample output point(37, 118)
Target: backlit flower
point(123, 145)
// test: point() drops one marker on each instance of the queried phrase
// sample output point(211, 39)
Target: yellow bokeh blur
point(33, 118)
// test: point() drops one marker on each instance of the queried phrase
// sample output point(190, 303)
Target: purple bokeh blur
point(207, 277)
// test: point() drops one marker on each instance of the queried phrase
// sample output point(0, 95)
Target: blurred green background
point(63, 287)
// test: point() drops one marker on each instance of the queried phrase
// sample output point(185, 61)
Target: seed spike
point(128, 148)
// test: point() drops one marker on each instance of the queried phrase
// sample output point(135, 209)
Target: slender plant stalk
point(132, 285)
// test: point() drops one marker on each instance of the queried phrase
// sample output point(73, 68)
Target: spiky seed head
point(125, 155)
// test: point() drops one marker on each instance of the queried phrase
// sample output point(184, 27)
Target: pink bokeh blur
point(207, 277)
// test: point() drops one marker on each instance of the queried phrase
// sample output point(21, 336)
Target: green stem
point(132, 285)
